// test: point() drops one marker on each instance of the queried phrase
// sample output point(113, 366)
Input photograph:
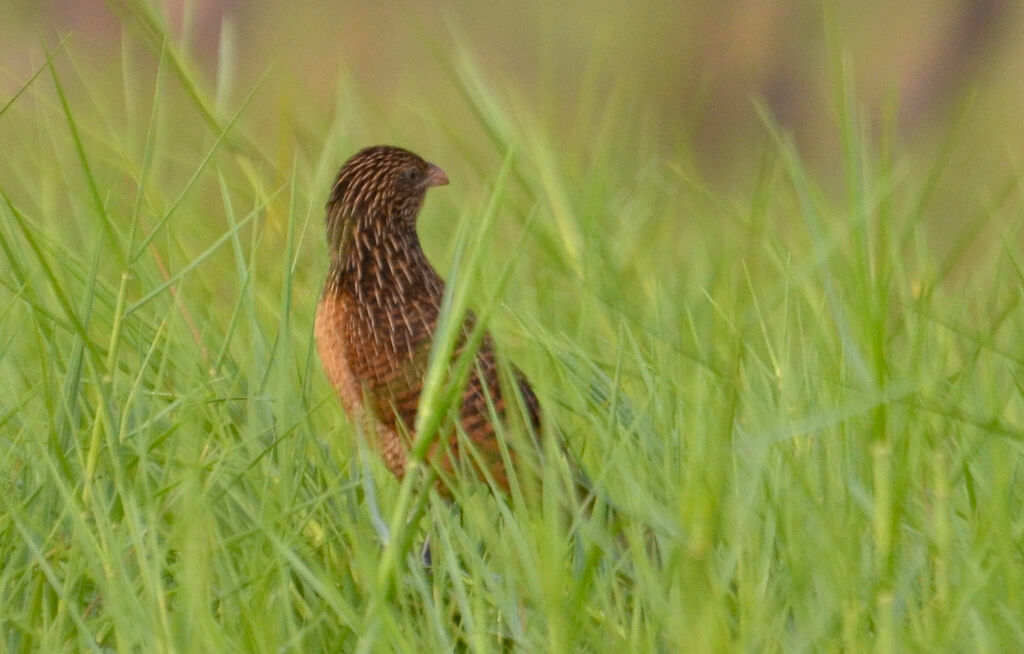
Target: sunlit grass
point(808, 421)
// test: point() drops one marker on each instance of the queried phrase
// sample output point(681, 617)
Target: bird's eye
point(411, 174)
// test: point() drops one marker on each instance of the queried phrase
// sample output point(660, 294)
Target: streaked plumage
point(376, 318)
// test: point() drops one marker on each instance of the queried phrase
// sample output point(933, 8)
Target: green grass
point(810, 419)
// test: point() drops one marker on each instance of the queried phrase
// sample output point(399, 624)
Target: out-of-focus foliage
point(692, 68)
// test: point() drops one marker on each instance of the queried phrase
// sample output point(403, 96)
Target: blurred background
point(829, 339)
point(693, 70)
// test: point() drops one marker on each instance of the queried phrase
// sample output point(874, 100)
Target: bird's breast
point(377, 344)
point(332, 344)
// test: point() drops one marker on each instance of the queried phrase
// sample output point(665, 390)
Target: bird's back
point(374, 331)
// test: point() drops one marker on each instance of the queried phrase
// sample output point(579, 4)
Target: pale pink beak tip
point(436, 176)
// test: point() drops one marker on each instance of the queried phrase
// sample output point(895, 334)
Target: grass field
point(808, 415)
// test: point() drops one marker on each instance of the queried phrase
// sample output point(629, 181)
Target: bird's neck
point(376, 255)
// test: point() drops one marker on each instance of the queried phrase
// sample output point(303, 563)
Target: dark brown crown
point(383, 184)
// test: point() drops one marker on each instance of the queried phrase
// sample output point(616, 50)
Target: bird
point(377, 317)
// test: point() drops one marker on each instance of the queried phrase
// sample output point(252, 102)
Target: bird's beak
point(435, 176)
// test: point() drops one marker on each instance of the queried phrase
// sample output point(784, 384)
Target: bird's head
point(381, 183)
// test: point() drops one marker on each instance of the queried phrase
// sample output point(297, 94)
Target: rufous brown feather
point(379, 309)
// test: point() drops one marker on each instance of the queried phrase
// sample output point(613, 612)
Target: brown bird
point(377, 316)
